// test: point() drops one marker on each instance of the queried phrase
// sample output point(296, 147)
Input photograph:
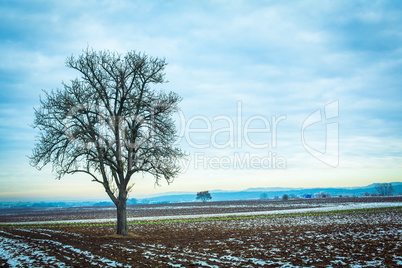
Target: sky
point(275, 93)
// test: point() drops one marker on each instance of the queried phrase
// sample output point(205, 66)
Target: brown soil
point(193, 208)
point(362, 239)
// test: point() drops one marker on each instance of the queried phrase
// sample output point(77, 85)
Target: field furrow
point(368, 237)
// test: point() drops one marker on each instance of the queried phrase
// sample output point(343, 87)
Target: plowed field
point(370, 237)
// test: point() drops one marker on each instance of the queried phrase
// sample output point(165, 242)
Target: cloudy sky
point(275, 93)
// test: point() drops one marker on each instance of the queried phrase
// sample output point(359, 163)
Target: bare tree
point(110, 124)
point(384, 189)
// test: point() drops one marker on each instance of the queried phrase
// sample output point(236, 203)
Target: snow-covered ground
point(20, 253)
point(325, 240)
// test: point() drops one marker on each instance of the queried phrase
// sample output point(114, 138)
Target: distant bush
point(285, 197)
point(323, 195)
point(204, 196)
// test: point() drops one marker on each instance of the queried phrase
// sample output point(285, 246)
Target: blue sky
point(266, 87)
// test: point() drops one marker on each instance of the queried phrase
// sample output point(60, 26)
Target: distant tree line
point(384, 189)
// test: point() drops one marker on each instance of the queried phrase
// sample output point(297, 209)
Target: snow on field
point(323, 208)
point(207, 205)
point(324, 240)
point(353, 240)
point(19, 252)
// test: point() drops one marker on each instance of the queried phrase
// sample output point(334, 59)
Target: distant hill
point(271, 192)
point(218, 195)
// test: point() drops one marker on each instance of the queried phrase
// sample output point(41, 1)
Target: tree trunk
point(121, 216)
